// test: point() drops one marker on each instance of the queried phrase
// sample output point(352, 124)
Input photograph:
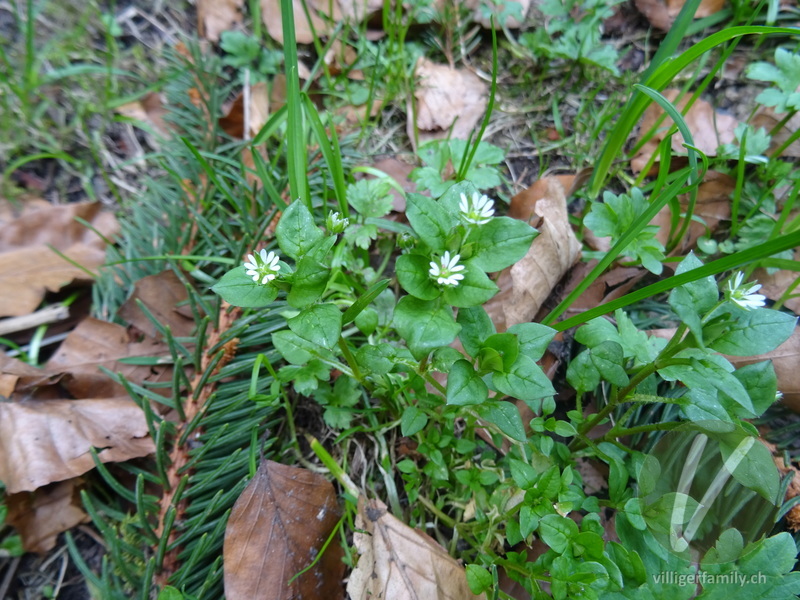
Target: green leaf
point(296, 231)
point(528, 521)
point(370, 197)
point(582, 374)
point(412, 273)
point(430, 221)
point(692, 300)
point(506, 416)
point(321, 324)
point(476, 326)
point(311, 277)
point(524, 475)
point(507, 347)
point(476, 288)
point(608, 358)
point(557, 531)
point(412, 421)
point(478, 579)
point(752, 466)
point(363, 301)
point(379, 359)
point(367, 321)
point(525, 380)
point(756, 332)
point(534, 338)
point(424, 325)
point(500, 243)
point(761, 383)
point(293, 348)
point(239, 289)
point(596, 332)
point(464, 387)
point(168, 592)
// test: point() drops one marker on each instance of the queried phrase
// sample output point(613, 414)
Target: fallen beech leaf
point(359, 10)
point(30, 268)
point(609, 286)
point(709, 128)
point(445, 98)
point(479, 15)
point(773, 286)
point(11, 370)
point(46, 441)
point(161, 294)
point(41, 224)
point(662, 13)
point(765, 117)
point(713, 205)
point(94, 343)
point(41, 515)
point(233, 122)
point(401, 563)
point(149, 109)
point(303, 30)
point(526, 285)
point(216, 16)
point(276, 529)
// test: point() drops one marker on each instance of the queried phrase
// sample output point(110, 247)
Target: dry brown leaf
point(713, 205)
point(358, 10)
point(276, 529)
point(445, 98)
point(765, 117)
point(233, 122)
point(161, 294)
point(303, 30)
point(41, 515)
point(29, 267)
point(400, 563)
point(709, 128)
point(216, 16)
point(149, 109)
point(94, 343)
point(662, 13)
point(46, 441)
point(41, 224)
point(479, 15)
point(775, 285)
point(526, 285)
point(11, 370)
point(340, 57)
point(401, 172)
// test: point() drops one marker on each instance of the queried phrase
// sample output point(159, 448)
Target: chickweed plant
point(377, 329)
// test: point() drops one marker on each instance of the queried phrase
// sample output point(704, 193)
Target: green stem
point(348, 356)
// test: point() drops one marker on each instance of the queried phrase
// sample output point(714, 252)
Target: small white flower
point(446, 271)
point(479, 210)
point(262, 267)
point(745, 295)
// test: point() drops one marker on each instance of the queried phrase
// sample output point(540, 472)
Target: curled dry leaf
point(164, 295)
point(662, 13)
point(94, 343)
point(233, 123)
point(276, 529)
point(358, 10)
point(400, 563)
point(46, 441)
point(30, 267)
point(445, 98)
point(41, 515)
point(709, 128)
point(216, 16)
point(526, 285)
